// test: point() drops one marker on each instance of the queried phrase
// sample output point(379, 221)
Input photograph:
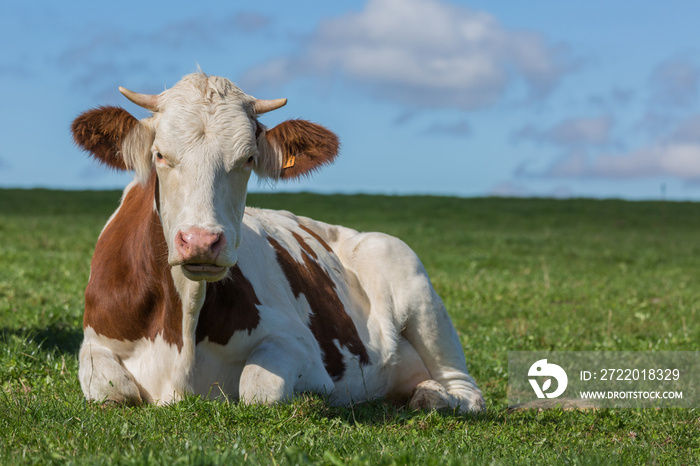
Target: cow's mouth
point(204, 271)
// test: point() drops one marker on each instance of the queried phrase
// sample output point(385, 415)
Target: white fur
point(384, 289)
point(205, 132)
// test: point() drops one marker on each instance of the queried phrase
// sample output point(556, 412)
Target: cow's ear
point(295, 148)
point(116, 138)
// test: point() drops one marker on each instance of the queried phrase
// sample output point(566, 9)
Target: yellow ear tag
point(289, 162)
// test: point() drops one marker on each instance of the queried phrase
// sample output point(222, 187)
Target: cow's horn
point(147, 101)
point(264, 106)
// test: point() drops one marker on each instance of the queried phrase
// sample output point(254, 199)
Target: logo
point(544, 369)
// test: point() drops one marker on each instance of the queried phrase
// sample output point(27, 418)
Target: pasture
point(515, 275)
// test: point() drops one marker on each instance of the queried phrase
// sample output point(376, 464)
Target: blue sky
point(537, 98)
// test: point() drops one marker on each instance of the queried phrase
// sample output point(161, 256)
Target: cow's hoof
point(429, 395)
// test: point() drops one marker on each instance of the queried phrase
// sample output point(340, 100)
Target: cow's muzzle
point(199, 252)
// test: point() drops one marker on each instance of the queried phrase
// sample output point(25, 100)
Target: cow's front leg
point(104, 378)
point(278, 369)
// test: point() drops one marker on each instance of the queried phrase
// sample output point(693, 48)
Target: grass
point(515, 275)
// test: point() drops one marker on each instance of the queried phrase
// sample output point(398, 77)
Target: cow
point(192, 292)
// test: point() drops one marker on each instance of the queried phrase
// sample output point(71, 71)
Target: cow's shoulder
point(130, 293)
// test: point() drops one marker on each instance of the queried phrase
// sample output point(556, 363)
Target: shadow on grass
point(59, 337)
point(380, 411)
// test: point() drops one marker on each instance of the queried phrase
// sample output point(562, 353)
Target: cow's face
point(203, 141)
point(204, 149)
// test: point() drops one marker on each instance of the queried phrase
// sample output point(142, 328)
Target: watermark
point(541, 369)
point(605, 379)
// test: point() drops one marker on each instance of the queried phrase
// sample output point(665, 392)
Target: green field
point(515, 275)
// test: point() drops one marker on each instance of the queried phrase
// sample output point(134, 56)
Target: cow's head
point(203, 140)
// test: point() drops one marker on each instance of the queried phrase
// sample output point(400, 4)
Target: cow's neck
point(192, 296)
point(184, 311)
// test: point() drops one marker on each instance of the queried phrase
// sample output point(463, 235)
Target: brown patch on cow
point(309, 145)
point(317, 238)
point(131, 294)
point(101, 132)
point(305, 246)
point(230, 305)
point(328, 321)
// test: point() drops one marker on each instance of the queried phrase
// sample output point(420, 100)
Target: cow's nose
point(197, 245)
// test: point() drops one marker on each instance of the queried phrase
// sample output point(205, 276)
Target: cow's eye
point(250, 160)
point(160, 159)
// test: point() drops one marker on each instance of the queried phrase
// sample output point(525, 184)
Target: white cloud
point(512, 189)
point(425, 53)
point(677, 155)
point(675, 83)
point(688, 130)
point(117, 53)
point(669, 159)
point(509, 189)
point(573, 132)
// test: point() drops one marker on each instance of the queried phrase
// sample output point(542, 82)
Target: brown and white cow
point(192, 292)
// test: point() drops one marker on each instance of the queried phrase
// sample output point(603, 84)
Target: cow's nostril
point(181, 242)
point(218, 244)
